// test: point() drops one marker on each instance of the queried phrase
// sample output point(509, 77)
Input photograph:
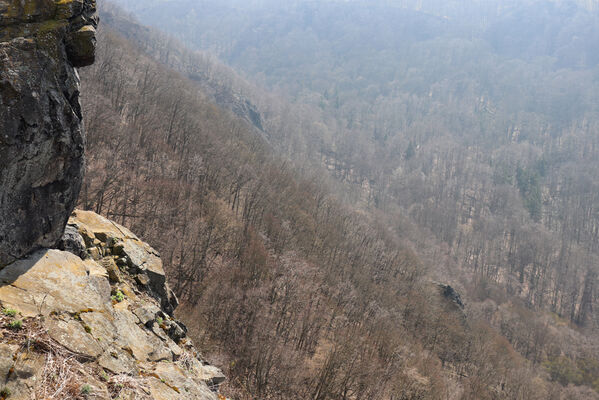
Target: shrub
point(9, 312)
point(563, 370)
point(118, 296)
point(16, 324)
point(86, 389)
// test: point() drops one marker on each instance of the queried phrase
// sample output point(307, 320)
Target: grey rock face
point(41, 135)
point(72, 242)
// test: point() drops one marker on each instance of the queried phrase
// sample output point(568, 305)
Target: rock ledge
point(96, 322)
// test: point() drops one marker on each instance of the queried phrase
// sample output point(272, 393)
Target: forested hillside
point(452, 157)
point(484, 133)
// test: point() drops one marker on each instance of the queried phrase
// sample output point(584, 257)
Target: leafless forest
point(311, 199)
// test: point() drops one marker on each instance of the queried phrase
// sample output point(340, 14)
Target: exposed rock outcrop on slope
point(95, 322)
point(451, 294)
point(41, 137)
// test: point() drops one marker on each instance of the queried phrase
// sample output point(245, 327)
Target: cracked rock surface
point(41, 134)
point(116, 336)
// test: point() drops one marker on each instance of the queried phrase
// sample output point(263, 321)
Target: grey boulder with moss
point(41, 134)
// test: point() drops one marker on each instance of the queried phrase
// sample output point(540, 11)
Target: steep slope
point(294, 292)
point(474, 121)
point(217, 81)
point(291, 291)
point(484, 138)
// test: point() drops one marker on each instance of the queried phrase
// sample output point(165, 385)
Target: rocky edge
point(96, 322)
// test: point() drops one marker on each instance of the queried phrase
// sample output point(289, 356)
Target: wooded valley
point(313, 200)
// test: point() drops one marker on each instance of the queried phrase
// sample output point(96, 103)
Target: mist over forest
point(380, 199)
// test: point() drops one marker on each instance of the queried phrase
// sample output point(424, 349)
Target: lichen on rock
point(41, 134)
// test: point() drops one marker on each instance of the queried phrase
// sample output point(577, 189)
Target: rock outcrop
point(95, 322)
point(451, 294)
point(41, 137)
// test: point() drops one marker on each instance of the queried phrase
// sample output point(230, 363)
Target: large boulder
point(112, 244)
point(41, 135)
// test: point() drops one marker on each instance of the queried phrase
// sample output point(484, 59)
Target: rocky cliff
point(93, 321)
point(41, 137)
point(85, 312)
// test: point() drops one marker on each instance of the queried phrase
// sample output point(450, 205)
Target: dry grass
point(62, 378)
point(186, 361)
point(65, 374)
point(136, 387)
